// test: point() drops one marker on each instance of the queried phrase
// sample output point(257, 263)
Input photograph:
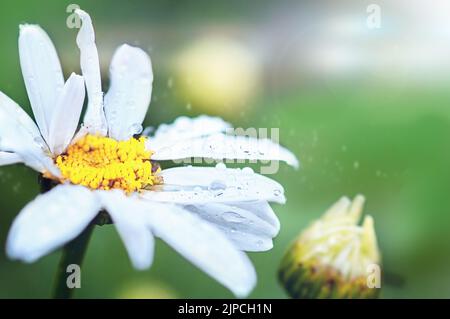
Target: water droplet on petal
point(217, 185)
point(232, 217)
point(136, 128)
point(277, 192)
point(221, 166)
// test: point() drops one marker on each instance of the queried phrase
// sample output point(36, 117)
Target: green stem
point(73, 253)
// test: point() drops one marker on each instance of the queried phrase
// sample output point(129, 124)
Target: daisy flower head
point(210, 215)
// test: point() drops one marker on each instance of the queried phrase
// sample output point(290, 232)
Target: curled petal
point(94, 119)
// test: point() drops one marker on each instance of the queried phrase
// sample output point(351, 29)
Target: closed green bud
point(334, 257)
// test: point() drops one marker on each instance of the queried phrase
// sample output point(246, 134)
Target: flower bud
point(334, 257)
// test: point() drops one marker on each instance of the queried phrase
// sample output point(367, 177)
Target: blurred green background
point(366, 111)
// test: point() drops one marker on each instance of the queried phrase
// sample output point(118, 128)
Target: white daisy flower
point(210, 215)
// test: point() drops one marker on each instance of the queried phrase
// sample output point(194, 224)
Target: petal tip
point(29, 30)
point(132, 52)
point(81, 13)
point(295, 163)
point(14, 252)
point(243, 290)
point(76, 76)
point(142, 265)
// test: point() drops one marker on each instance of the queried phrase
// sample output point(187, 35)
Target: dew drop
point(217, 185)
point(232, 217)
point(221, 166)
point(136, 128)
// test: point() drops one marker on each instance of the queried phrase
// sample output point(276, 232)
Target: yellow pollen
point(104, 163)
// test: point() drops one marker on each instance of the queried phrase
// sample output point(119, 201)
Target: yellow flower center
point(104, 163)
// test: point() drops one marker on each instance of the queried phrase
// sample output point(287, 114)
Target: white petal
point(247, 241)
point(263, 211)
point(50, 221)
point(36, 160)
point(94, 119)
point(41, 72)
point(246, 230)
point(200, 185)
point(66, 114)
point(131, 226)
point(221, 146)
point(19, 116)
point(7, 158)
point(234, 217)
point(130, 91)
point(19, 134)
point(203, 245)
point(185, 128)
